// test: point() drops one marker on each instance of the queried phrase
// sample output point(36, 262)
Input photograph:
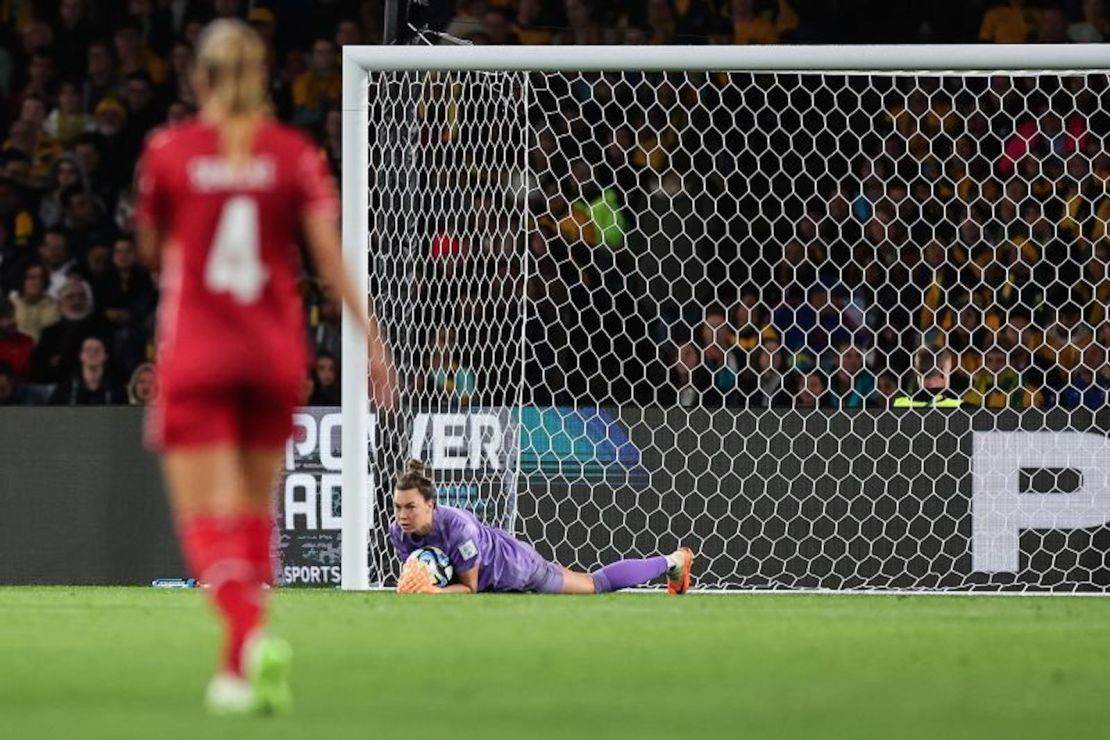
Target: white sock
point(674, 562)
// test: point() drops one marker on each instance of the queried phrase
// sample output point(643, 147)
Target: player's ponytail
point(231, 70)
point(416, 476)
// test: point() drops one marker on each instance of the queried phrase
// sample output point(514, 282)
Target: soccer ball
point(437, 563)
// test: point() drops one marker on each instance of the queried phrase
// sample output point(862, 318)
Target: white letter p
point(999, 510)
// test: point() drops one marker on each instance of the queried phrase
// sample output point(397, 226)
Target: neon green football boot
point(267, 661)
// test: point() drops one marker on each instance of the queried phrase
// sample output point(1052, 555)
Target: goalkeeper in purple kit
point(486, 558)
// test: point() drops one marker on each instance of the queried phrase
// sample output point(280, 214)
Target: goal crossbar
point(888, 58)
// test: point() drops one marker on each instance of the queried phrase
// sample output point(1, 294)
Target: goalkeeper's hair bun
point(416, 476)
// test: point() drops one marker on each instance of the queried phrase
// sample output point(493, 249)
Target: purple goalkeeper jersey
point(504, 562)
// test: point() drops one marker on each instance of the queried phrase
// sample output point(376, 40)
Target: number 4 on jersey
point(234, 265)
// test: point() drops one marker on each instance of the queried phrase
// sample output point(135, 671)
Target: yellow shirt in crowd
point(1007, 25)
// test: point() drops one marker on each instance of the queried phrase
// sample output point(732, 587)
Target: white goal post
point(701, 150)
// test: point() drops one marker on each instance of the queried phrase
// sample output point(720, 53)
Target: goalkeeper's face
point(412, 511)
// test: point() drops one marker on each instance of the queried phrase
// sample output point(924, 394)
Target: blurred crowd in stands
point(794, 240)
point(696, 239)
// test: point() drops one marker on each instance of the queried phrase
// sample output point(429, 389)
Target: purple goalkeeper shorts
point(546, 579)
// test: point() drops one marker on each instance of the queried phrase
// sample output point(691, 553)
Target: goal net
point(831, 329)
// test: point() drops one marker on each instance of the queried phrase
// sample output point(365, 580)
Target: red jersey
point(230, 317)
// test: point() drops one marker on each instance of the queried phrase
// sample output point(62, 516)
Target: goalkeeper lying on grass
point(485, 558)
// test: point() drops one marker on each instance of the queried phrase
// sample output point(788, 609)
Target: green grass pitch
point(131, 663)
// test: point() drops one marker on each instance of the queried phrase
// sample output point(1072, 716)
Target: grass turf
point(121, 663)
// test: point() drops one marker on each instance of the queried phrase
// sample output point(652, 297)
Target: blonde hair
point(231, 68)
point(133, 384)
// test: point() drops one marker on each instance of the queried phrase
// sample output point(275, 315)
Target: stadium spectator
point(498, 28)
point(527, 24)
point(596, 211)
point(695, 20)
point(1052, 26)
point(227, 8)
point(811, 393)
point(1098, 359)
point(636, 36)
point(851, 384)
point(467, 18)
point(17, 230)
point(100, 80)
point(156, 24)
point(96, 270)
point(325, 329)
point(134, 56)
point(750, 26)
point(40, 72)
point(687, 362)
point(763, 382)
point(15, 346)
point(997, 384)
point(178, 86)
point(83, 222)
point(124, 217)
point(932, 386)
point(317, 88)
point(72, 32)
point(27, 137)
point(56, 354)
point(348, 32)
point(178, 112)
point(65, 174)
point(809, 325)
point(129, 290)
point(583, 26)
point(89, 150)
point(449, 379)
point(1085, 386)
point(1094, 27)
point(92, 384)
point(325, 381)
point(333, 141)
point(128, 306)
point(1010, 23)
point(886, 389)
point(35, 309)
point(111, 119)
point(143, 386)
point(143, 111)
point(12, 391)
point(717, 378)
point(68, 119)
point(1041, 134)
point(748, 319)
point(661, 22)
point(17, 168)
point(56, 258)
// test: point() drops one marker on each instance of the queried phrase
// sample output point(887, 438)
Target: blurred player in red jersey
point(222, 201)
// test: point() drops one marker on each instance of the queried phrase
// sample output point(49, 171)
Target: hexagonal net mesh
point(830, 330)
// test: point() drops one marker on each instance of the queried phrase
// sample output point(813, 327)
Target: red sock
point(219, 553)
point(258, 530)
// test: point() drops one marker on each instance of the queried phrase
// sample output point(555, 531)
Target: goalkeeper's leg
point(626, 573)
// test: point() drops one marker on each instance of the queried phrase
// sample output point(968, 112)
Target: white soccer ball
point(437, 563)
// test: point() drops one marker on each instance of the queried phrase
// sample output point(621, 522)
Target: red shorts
point(249, 416)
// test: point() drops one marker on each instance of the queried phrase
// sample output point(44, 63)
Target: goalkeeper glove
point(415, 579)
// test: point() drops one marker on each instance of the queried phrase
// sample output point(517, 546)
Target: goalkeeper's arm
point(465, 583)
point(415, 579)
